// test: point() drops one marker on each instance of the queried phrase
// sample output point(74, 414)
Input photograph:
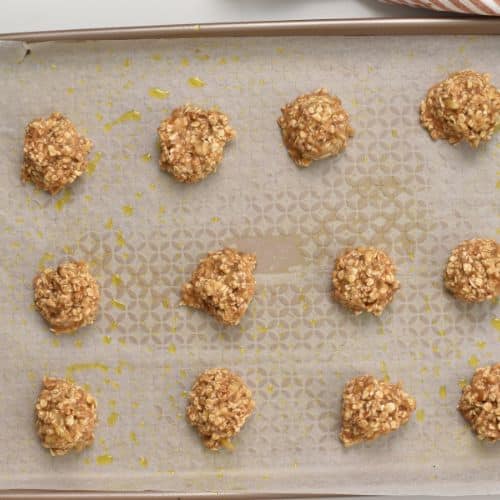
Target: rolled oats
point(465, 106)
point(192, 142)
point(372, 408)
point(55, 154)
point(67, 297)
point(473, 270)
point(314, 126)
point(65, 416)
point(223, 284)
point(479, 403)
point(219, 405)
point(364, 279)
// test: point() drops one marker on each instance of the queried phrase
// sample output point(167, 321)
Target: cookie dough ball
point(364, 279)
point(473, 270)
point(314, 126)
point(479, 403)
point(464, 107)
point(223, 285)
point(372, 408)
point(67, 297)
point(55, 154)
point(192, 142)
point(65, 416)
point(219, 405)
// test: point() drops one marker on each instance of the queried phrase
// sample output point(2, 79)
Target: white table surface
point(45, 15)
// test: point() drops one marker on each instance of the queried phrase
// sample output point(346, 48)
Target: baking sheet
point(393, 187)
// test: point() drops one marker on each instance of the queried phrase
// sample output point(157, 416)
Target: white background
point(43, 15)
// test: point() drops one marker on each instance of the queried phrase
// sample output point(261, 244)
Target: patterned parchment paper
point(143, 234)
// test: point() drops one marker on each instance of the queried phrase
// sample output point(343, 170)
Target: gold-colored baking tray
point(295, 347)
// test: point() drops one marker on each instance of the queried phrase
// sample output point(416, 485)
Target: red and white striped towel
point(484, 7)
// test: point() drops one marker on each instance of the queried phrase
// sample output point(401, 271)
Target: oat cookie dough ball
point(314, 126)
point(223, 285)
point(65, 416)
point(472, 273)
point(55, 154)
point(192, 142)
point(364, 279)
point(67, 297)
point(464, 107)
point(219, 405)
point(372, 408)
point(480, 401)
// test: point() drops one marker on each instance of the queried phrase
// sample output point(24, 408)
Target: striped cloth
point(485, 7)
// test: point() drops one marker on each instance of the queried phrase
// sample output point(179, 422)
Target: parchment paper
point(393, 188)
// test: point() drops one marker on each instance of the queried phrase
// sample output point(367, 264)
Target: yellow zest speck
point(165, 303)
point(280, 50)
point(78, 343)
point(135, 405)
point(420, 415)
point(113, 325)
point(171, 349)
point(394, 133)
point(127, 62)
point(162, 210)
point(108, 224)
point(270, 388)
point(196, 82)
point(313, 322)
point(441, 333)
point(156, 57)
point(146, 157)
point(385, 372)
point(126, 117)
point(128, 210)
point(138, 195)
point(112, 403)
point(143, 461)
point(120, 240)
point(65, 198)
point(262, 329)
point(53, 66)
point(215, 219)
point(158, 93)
point(116, 280)
point(242, 350)
point(235, 58)
point(495, 323)
point(462, 383)
point(442, 392)
point(112, 418)
point(106, 339)
point(185, 61)
point(203, 57)
point(44, 259)
point(122, 341)
point(222, 60)
point(133, 437)
point(226, 443)
point(99, 117)
point(183, 373)
point(128, 85)
point(104, 459)
point(118, 304)
point(56, 342)
point(68, 250)
point(70, 90)
point(481, 344)
point(473, 361)
point(92, 164)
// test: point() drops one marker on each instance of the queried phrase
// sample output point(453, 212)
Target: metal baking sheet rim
point(344, 27)
point(340, 27)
